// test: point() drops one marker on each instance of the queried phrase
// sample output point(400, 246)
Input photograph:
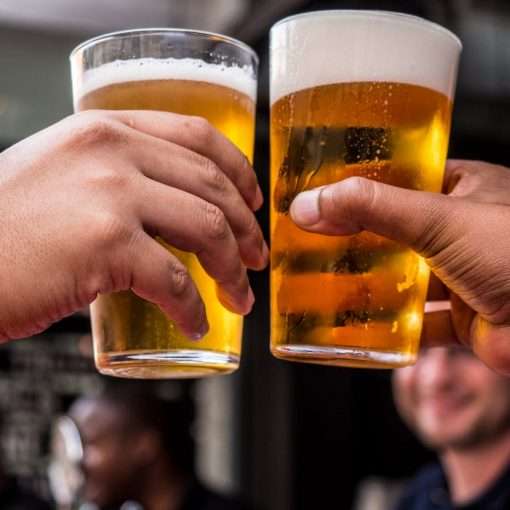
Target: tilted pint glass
point(353, 93)
point(191, 73)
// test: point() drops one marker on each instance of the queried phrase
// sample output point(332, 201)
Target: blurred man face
point(112, 463)
point(452, 400)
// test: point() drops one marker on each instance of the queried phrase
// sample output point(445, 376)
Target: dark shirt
point(14, 497)
point(200, 498)
point(429, 491)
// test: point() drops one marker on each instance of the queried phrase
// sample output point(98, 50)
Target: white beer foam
point(327, 47)
point(119, 71)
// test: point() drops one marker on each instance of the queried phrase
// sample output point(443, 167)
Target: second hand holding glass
point(353, 93)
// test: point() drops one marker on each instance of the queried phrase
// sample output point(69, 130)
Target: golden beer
point(230, 111)
point(354, 300)
point(132, 337)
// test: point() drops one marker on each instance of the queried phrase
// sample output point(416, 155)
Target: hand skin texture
point(82, 201)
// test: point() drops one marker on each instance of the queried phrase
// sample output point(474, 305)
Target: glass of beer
point(191, 73)
point(353, 93)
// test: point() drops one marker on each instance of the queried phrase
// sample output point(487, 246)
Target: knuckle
point(216, 224)
point(202, 129)
point(356, 199)
point(213, 176)
point(180, 279)
point(108, 230)
point(110, 179)
point(361, 191)
point(97, 129)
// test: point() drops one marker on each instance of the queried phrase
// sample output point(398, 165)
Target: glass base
point(174, 364)
point(343, 356)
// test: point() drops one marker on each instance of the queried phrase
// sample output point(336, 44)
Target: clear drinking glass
point(187, 72)
point(353, 93)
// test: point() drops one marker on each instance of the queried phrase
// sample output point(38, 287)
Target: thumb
point(422, 220)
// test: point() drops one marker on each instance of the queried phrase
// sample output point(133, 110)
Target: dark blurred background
point(285, 436)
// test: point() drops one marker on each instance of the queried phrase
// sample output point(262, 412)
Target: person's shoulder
point(428, 480)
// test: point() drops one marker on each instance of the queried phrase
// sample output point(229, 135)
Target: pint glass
point(353, 93)
point(191, 73)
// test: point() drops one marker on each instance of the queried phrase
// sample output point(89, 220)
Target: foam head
point(120, 71)
point(327, 47)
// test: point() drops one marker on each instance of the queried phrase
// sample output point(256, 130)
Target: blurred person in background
point(461, 409)
point(13, 496)
point(138, 448)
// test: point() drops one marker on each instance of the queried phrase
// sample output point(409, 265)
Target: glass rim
point(410, 18)
point(162, 31)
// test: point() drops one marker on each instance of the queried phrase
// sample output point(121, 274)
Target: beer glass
point(353, 93)
point(187, 72)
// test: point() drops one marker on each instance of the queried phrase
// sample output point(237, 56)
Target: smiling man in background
point(461, 409)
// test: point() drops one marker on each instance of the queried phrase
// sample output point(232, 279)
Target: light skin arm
point(464, 235)
point(83, 200)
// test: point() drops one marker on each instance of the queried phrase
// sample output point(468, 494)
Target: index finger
point(198, 135)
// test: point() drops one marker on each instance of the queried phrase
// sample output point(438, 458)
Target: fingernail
point(265, 252)
point(251, 298)
point(204, 329)
point(305, 210)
